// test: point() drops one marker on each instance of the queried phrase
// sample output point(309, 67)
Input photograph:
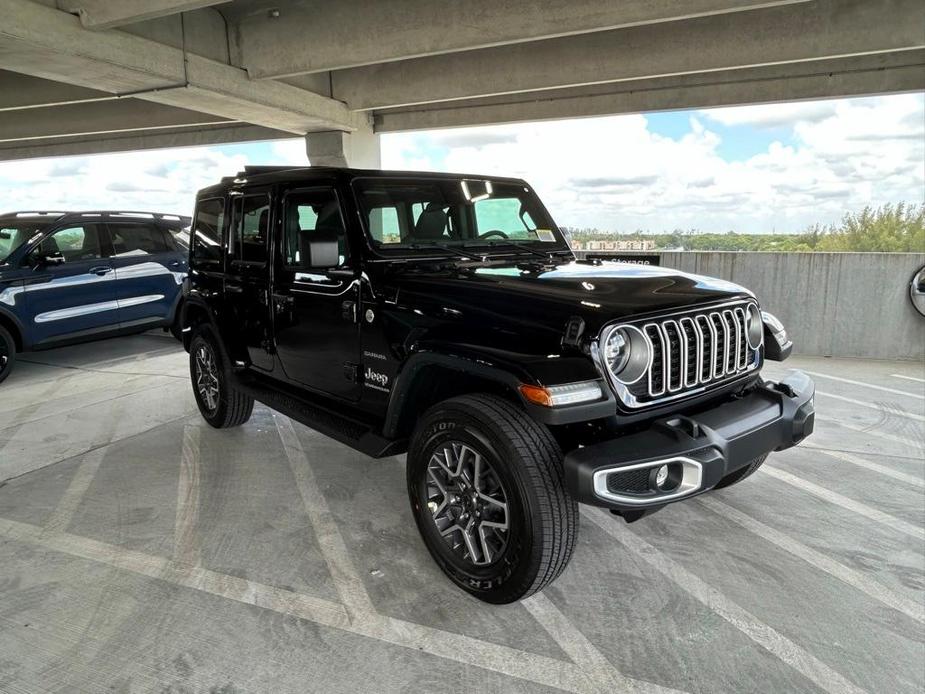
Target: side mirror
point(318, 250)
point(49, 259)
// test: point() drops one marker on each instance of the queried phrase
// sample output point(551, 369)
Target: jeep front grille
point(690, 352)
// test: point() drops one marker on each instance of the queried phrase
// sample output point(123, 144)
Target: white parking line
point(878, 592)
point(70, 501)
point(185, 546)
point(868, 465)
point(584, 653)
point(906, 441)
point(531, 667)
point(786, 650)
point(893, 411)
point(846, 503)
point(886, 389)
point(908, 378)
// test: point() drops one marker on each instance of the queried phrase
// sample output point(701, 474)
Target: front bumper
point(698, 450)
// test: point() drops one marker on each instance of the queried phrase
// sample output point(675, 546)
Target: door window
point(206, 238)
point(137, 240)
point(74, 243)
point(315, 211)
point(252, 223)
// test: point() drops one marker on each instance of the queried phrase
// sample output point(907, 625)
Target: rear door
point(75, 298)
point(148, 270)
point(247, 277)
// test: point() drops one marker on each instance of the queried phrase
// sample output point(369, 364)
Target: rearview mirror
point(318, 250)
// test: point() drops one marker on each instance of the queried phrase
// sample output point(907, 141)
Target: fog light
point(661, 476)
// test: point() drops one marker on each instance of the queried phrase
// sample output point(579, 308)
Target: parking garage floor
point(142, 551)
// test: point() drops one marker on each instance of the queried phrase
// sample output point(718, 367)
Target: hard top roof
point(266, 175)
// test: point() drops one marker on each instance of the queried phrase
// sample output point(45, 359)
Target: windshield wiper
point(448, 249)
point(522, 247)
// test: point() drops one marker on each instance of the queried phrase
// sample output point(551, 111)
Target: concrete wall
point(833, 304)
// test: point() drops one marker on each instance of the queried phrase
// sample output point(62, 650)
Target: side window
point(136, 240)
point(74, 243)
point(312, 211)
point(503, 214)
point(252, 224)
point(206, 237)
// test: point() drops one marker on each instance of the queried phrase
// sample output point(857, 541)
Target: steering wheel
point(493, 232)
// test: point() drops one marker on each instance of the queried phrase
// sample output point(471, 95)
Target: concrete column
point(358, 149)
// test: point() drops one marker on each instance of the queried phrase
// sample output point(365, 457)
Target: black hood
point(537, 296)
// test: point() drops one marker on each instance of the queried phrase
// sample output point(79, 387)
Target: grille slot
point(693, 350)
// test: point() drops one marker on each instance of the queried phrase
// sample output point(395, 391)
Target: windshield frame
point(484, 247)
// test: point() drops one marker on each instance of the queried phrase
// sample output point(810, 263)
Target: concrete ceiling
point(104, 75)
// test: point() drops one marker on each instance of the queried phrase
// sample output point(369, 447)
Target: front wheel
point(220, 403)
point(487, 491)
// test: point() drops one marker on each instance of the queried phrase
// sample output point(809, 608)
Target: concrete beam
point(131, 142)
point(778, 35)
point(359, 149)
point(337, 34)
point(124, 115)
point(24, 92)
point(107, 14)
point(844, 77)
point(44, 42)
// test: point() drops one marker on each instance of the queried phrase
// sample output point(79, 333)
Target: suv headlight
point(626, 353)
point(754, 328)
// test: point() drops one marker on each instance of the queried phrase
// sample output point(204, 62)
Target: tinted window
point(137, 239)
point(252, 223)
point(14, 234)
point(314, 211)
point(81, 242)
point(207, 231)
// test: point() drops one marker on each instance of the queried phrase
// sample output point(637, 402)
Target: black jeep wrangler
point(446, 316)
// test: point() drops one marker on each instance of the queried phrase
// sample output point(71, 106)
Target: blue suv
point(69, 277)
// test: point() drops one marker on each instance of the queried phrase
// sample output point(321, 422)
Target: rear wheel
point(7, 353)
point(487, 492)
point(220, 404)
point(742, 472)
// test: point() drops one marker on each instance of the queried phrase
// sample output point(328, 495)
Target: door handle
point(348, 311)
point(234, 289)
point(100, 270)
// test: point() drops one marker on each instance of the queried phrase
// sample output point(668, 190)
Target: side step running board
point(347, 430)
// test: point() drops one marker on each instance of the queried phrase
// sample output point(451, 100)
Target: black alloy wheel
point(7, 353)
point(220, 403)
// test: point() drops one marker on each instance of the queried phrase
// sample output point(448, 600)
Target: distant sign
point(640, 259)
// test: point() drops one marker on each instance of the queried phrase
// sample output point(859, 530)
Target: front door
point(71, 295)
point(316, 326)
point(247, 279)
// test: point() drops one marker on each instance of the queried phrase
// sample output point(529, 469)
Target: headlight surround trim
point(639, 354)
point(754, 326)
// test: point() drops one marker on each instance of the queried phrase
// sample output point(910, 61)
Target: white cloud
point(615, 173)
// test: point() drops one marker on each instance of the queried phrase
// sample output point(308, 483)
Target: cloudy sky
point(753, 169)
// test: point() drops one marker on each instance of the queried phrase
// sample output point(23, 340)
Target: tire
point(742, 472)
point(521, 486)
point(7, 353)
point(220, 404)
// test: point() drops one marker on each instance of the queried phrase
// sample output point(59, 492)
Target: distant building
point(615, 245)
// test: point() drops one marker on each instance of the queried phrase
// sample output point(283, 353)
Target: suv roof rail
point(160, 216)
point(34, 213)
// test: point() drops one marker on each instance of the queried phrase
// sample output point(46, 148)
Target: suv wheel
point(487, 492)
point(220, 404)
point(7, 353)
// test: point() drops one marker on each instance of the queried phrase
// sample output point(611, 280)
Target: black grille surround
point(690, 352)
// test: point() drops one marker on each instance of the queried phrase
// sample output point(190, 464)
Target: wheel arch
point(14, 328)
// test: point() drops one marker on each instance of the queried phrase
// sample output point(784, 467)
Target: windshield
point(422, 213)
point(14, 233)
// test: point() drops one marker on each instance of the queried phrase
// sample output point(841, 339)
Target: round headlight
point(626, 353)
point(754, 326)
point(617, 351)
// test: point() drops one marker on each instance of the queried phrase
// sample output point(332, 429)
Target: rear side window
point(206, 238)
point(252, 225)
point(136, 240)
